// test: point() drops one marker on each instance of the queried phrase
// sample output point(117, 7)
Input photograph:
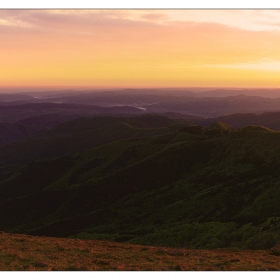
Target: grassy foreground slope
point(24, 252)
point(190, 186)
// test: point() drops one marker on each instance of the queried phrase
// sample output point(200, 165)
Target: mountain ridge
point(181, 185)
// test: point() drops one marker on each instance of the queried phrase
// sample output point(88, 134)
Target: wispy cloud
point(253, 20)
point(155, 17)
point(266, 64)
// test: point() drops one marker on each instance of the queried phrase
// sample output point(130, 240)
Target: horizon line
point(84, 88)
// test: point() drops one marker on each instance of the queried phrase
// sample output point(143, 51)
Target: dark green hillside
point(49, 120)
point(13, 112)
point(12, 131)
point(83, 133)
point(190, 186)
point(267, 119)
point(221, 126)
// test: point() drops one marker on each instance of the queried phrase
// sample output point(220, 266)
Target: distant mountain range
point(19, 121)
point(213, 103)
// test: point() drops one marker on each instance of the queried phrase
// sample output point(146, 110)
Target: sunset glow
point(140, 48)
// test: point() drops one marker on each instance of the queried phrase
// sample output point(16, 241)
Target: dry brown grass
point(23, 252)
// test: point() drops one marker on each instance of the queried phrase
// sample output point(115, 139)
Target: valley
point(171, 180)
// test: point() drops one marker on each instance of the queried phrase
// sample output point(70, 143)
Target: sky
point(140, 48)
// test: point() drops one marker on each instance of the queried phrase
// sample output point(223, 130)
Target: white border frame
point(140, 4)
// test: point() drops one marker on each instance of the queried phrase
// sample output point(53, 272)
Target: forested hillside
point(176, 185)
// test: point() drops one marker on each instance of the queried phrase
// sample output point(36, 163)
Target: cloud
point(59, 20)
point(88, 22)
point(70, 21)
point(136, 34)
point(155, 17)
point(273, 26)
point(13, 21)
point(265, 64)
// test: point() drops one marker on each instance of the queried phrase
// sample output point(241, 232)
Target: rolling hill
point(16, 112)
point(146, 180)
point(267, 119)
point(83, 133)
point(12, 131)
point(208, 104)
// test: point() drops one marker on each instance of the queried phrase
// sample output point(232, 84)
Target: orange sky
point(140, 48)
